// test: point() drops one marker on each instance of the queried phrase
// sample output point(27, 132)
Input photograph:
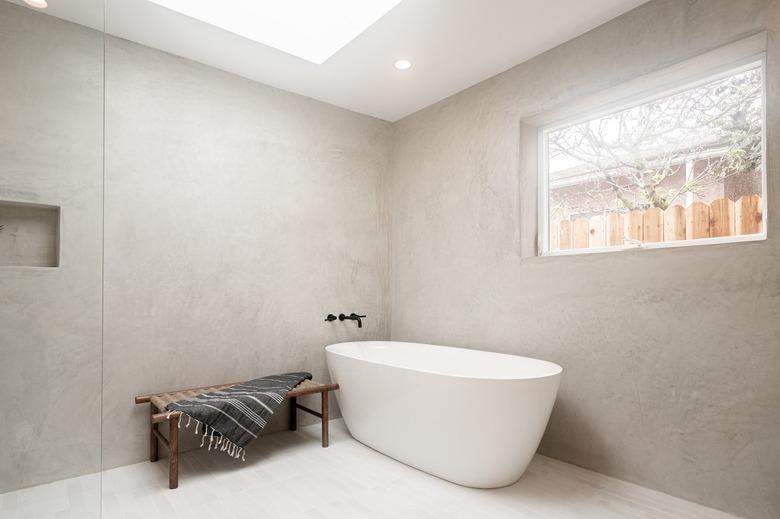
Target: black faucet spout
point(357, 318)
point(353, 317)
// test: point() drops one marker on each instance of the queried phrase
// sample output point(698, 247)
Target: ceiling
point(452, 45)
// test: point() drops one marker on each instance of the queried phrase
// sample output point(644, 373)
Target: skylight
point(310, 29)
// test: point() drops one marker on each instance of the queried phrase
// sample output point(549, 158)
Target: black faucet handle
point(330, 317)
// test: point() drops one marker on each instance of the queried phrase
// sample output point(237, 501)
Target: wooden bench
point(159, 401)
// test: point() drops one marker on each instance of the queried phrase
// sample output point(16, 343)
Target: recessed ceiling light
point(403, 64)
point(310, 29)
point(38, 4)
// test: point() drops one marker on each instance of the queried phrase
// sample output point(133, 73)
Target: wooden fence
point(722, 217)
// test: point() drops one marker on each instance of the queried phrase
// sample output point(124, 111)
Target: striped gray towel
point(231, 418)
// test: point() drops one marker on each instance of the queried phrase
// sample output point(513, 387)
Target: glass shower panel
point(51, 255)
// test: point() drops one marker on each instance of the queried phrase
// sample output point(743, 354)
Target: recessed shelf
point(29, 235)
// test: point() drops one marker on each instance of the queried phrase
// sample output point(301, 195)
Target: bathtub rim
point(557, 368)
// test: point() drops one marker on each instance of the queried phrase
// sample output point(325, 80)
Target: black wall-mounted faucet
point(353, 317)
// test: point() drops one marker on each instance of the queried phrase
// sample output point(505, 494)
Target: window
point(681, 167)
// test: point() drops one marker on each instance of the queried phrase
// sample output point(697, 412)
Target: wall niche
point(29, 235)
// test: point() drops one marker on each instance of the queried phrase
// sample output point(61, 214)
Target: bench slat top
point(161, 400)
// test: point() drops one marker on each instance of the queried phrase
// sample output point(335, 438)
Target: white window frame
point(663, 88)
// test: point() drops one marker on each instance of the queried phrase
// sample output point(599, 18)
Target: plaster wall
point(671, 357)
point(51, 152)
point(237, 216)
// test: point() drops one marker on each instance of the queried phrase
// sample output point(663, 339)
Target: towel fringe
point(220, 443)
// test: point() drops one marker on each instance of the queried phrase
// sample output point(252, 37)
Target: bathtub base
point(470, 483)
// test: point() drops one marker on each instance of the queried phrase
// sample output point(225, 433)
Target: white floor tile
point(288, 475)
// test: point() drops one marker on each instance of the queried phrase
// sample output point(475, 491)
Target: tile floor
point(288, 475)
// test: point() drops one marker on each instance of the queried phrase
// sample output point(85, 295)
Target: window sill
point(658, 245)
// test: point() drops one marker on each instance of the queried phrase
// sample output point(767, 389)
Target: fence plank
point(653, 225)
point(697, 221)
point(634, 225)
point(564, 235)
point(615, 229)
point(747, 215)
point(674, 223)
point(579, 234)
point(597, 229)
point(721, 217)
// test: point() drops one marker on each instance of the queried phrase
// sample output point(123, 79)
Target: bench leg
point(293, 414)
point(324, 418)
point(152, 437)
point(173, 452)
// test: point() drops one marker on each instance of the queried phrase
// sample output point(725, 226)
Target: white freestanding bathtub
point(471, 417)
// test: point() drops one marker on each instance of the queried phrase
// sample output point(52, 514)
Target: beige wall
point(51, 152)
point(671, 357)
point(237, 217)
